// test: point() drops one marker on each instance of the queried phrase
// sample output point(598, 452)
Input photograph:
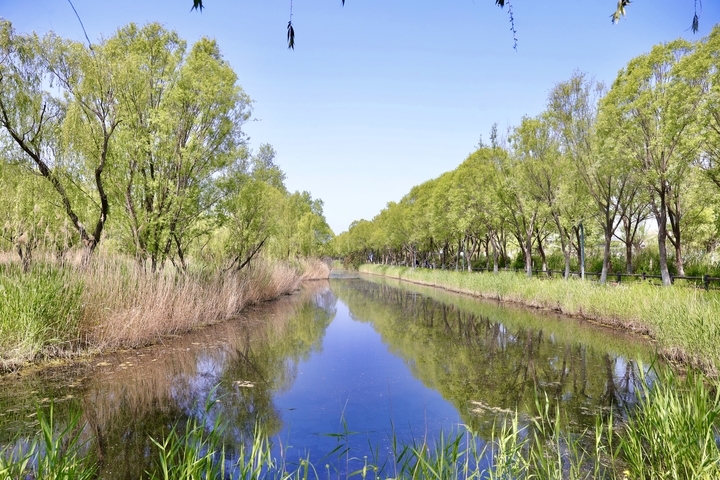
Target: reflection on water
point(349, 362)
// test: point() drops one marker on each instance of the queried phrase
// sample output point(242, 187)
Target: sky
point(381, 95)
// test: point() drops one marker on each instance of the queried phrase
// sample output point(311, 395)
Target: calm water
point(342, 364)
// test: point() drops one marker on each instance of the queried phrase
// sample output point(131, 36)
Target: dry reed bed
point(126, 307)
point(56, 309)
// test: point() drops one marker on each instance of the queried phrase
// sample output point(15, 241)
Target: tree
point(573, 107)
point(183, 115)
point(477, 179)
point(522, 210)
point(64, 134)
point(647, 114)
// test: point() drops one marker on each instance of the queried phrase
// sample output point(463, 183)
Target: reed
point(685, 322)
point(56, 453)
point(673, 433)
point(125, 306)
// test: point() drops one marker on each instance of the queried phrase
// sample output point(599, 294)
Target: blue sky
point(381, 95)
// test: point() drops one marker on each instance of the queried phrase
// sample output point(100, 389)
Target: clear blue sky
point(381, 95)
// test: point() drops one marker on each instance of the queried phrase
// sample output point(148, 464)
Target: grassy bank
point(670, 434)
point(58, 310)
point(685, 322)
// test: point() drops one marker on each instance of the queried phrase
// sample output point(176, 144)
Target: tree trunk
point(628, 246)
point(661, 217)
point(541, 251)
point(606, 255)
point(676, 242)
point(495, 255)
point(563, 244)
point(528, 255)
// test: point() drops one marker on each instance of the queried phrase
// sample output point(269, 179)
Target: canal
point(339, 373)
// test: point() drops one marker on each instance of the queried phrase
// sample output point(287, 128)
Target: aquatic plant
point(56, 453)
point(670, 433)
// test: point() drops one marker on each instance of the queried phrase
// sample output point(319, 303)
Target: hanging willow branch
point(290, 31)
point(615, 17)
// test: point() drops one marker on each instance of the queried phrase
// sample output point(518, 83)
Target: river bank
point(60, 311)
point(684, 322)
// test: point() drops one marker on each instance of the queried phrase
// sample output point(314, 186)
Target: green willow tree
point(647, 115)
point(37, 122)
point(184, 115)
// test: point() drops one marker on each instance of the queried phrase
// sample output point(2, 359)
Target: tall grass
point(39, 311)
point(685, 322)
point(673, 433)
point(57, 452)
point(125, 306)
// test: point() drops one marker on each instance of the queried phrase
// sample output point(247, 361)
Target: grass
point(670, 433)
point(684, 322)
point(39, 311)
point(57, 453)
point(56, 310)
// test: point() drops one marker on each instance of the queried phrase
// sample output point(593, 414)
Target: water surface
point(343, 366)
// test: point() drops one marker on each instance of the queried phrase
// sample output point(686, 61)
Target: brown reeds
point(124, 306)
point(313, 269)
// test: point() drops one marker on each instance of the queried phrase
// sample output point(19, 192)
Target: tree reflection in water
point(488, 358)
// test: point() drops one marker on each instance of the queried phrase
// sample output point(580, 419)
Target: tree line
point(136, 142)
point(612, 160)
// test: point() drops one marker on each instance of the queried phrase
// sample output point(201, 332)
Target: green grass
point(57, 452)
point(38, 310)
point(685, 322)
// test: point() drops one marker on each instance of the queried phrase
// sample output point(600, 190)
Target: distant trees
point(647, 148)
point(138, 139)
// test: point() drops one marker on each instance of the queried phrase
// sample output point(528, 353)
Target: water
point(341, 368)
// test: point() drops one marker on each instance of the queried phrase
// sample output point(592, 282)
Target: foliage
point(630, 165)
point(137, 139)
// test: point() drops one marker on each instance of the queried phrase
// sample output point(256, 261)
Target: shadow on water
point(485, 360)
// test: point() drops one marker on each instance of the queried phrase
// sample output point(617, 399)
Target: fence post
point(618, 278)
point(672, 279)
point(643, 276)
point(706, 282)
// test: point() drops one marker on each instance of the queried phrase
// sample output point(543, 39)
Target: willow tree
point(705, 62)
point(183, 113)
point(58, 112)
point(647, 115)
point(477, 178)
point(605, 175)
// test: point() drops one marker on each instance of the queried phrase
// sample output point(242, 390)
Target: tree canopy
point(598, 160)
point(137, 142)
